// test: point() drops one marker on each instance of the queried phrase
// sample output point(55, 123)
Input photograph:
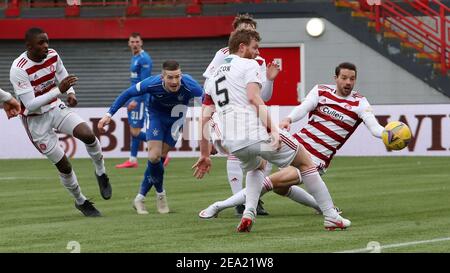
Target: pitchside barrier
point(429, 123)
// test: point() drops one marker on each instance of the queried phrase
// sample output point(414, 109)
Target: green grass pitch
point(390, 200)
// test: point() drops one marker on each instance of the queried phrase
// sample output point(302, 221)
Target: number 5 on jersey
point(223, 91)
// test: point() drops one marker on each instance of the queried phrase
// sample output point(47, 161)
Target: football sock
point(133, 159)
point(70, 182)
point(253, 190)
point(232, 201)
point(235, 175)
point(95, 152)
point(157, 175)
point(134, 146)
point(301, 196)
point(146, 183)
point(139, 197)
point(315, 185)
point(267, 185)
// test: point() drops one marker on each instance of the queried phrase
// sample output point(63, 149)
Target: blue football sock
point(134, 146)
point(157, 175)
point(146, 184)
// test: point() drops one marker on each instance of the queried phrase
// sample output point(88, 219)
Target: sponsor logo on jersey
point(331, 112)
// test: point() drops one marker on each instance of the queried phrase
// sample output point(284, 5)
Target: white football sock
point(95, 152)
point(139, 197)
point(239, 198)
point(132, 159)
point(315, 185)
point(232, 201)
point(70, 182)
point(301, 196)
point(267, 185)
point(235, 174)
point(254, 182)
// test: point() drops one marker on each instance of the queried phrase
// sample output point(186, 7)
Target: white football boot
point(210, 212)
point(331, 223)
point(161, 203)
point(140, 208)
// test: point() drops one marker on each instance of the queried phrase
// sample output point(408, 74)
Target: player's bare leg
point(84, 133)
point(285, 184)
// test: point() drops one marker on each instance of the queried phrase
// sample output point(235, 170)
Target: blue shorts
point(137, 116)
point(164, 128)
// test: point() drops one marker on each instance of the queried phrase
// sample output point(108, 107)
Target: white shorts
point(251, 156)
point(41, 128)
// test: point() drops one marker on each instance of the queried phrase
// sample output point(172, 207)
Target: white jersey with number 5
point(238, 120)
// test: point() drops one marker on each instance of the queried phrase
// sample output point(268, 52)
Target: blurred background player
point(34, 75)
point(335, 111)
point(170, 94)
point(236, 95)
point(140, 69)
point(10, 104)
point(269, 73)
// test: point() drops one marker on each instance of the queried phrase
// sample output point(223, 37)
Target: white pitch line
point(379, 247)
point(22, 178)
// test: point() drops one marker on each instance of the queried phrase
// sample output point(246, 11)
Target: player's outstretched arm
point(203, 164)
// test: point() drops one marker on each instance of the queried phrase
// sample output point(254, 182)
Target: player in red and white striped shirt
point(39, 77)
point(335, 111)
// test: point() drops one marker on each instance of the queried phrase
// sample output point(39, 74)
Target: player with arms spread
point(170, 94)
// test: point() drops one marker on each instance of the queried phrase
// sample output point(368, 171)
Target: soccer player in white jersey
point(268, 73)
point(245, 123)
point(10, 104)
point(335, 113)
point(34, 76)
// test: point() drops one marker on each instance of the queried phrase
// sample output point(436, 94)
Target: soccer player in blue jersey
point(140, 68)
point(170, 93)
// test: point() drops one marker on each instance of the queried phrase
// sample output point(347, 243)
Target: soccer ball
point(396, 135)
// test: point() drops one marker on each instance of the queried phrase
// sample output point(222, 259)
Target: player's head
point(345, 76)
point(36, 41)
point(171, 75)
point(135, 43)
point(244, 43)
point(244, 21)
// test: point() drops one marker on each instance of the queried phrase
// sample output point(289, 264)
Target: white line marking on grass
point(22, 178)
point(375, 247)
